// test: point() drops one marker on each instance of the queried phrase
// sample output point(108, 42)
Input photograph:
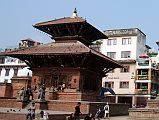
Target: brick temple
point(68, 61)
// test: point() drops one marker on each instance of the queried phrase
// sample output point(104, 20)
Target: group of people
point(25, 95)
point(30, 115)
point(105, 110)
point(41, 92)
point(77, 113)
point(31, 112)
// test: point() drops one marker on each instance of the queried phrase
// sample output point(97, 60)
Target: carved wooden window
point(7, 72)
point(15, 71)
point(0, 71)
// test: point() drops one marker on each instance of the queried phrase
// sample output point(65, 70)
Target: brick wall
point(71, 96)
point(67, 106)
point(5, 90)
point(13, 103)
point(10, 116)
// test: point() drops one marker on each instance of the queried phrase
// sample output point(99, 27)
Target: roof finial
point(74, 14)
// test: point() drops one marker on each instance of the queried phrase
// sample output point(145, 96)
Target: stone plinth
point(144, 113)
point(5, 90)
point(73, 96)
point(10, 102)
point(52, 96)
point(153, 103)
point(42, 105)
point(87, 107)
point(151, 111)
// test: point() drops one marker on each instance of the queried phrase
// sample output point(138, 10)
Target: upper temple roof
point(71, 28)
point(62, 21)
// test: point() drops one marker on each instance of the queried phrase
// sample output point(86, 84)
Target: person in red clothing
point(77, 111)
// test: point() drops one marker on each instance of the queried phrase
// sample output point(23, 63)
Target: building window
point(7, 72)
point(111, 55)
point(125, 69)
point(19, 61)
point(142, 71)
point(5, 80)
point(0, 71)
point(111, 42)
point(125, 54)
point(124, 84)
point(2, 60)
point(141, 86)
point(10, 59)
point(15, 71)
point(109, 84)
point(126, 41)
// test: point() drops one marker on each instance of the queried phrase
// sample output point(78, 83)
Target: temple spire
point(74, 14)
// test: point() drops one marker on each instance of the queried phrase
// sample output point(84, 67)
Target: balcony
point(141, 91)
point(152, 54)
point(146, 64)
point(143, 64)
point(142, 77)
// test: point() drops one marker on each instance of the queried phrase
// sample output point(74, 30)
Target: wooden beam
point(58, 30)
point(74, 29)
point(45, 29)
point(80, 29)
point(83, 60)
point(68, 28)
point(74, 63)
point(53, 30)
point(106, 70)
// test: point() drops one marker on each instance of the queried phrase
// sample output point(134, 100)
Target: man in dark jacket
point(77, 111)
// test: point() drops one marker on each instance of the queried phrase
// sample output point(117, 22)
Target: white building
point(125, 46)
point(10, 67)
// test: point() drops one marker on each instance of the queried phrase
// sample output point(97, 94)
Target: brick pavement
point(23, 111)
point(116, 118)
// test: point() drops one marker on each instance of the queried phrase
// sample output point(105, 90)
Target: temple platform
point(20, 114)
point(57, 109)
point(15, 114)
point(150, 112)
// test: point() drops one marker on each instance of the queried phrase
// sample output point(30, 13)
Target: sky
point(17, 17)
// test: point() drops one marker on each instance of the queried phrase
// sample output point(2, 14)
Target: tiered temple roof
point(71, 28)
point(69, 33)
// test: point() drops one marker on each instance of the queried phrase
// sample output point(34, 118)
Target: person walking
point(45, 116)
point(106, 111)
point(77, 111)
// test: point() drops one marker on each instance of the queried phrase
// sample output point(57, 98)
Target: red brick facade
point(5, 90)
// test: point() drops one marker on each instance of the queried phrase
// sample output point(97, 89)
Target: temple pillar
point(116, 99)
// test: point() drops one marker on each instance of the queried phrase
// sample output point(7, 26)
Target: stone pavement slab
point(116, 118)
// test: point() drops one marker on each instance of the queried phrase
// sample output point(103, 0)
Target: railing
point(141, 91)
point(142, 77)
point(143, 64)
point(147, 64)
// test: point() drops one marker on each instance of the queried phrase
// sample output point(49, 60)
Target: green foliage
point(98, 42)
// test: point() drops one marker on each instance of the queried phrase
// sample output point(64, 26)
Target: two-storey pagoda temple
point(68, 61)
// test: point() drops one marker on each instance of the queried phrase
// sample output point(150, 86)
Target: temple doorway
point(55, 81)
